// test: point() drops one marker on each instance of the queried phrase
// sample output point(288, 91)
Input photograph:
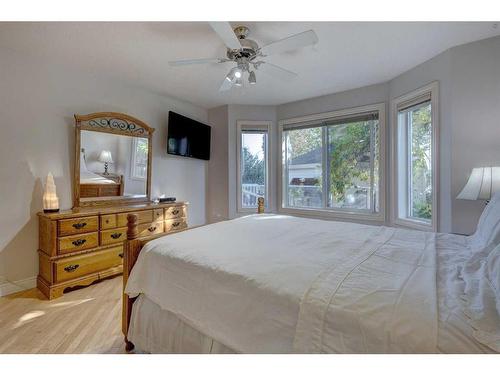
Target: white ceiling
point(348, 55)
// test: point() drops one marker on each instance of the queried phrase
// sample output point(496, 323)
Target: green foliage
point(253, 171)
point(304, 140)
point(422, 210)
point(143, 146)
point(348, 144)
point(421, 133)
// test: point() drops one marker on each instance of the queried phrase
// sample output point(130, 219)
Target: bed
point(94, 185)
point(281, 284)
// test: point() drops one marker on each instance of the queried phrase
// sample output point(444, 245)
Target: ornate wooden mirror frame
point(114, 123)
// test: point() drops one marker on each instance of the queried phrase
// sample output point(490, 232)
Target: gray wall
point(475, 121)
point(342, 100)
point(38, 100)
point(217, 172)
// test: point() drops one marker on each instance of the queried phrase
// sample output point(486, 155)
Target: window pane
point(253, 168)
point(140, 157)
point(420, 174)
point(303, 168)
point(353, 165)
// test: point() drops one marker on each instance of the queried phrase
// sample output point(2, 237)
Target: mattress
point(87, 177)
point(300, 285)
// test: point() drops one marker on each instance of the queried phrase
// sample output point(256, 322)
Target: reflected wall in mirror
point(113, 162)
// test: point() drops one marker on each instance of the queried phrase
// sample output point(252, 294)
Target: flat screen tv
point(187, 137)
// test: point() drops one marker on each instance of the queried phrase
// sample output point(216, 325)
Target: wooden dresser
point(79, 246)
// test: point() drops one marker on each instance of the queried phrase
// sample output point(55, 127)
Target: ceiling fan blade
point(275, 71)
point(303, 39)
point(226, 84)
point(226, 33)
point(195, 61)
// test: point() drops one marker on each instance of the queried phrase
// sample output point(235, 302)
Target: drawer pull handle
point(152, 229)
point(175, 212)
point(79, 225)
point(176, 224)
point(120, 255)
point(116, 235)
point(71, 268)
point(79, 242)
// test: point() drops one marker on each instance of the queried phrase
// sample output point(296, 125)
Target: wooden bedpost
point(131, 248)
point(260, 205)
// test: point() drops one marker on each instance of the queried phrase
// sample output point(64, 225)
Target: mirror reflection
point(112, 165)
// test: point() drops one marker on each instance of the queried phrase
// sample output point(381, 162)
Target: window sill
point(333, 214)
point(414, 224)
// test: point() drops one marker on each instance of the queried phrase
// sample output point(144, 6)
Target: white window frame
point(264, 126)
point(133, 176)
point(332, 213)
point(431, 89)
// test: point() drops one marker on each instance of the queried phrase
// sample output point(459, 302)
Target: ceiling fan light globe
point(252, 79)
point(238, 82)
point(237, 74)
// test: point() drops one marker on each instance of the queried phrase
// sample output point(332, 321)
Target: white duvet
point(280, 284)
point(87, 177)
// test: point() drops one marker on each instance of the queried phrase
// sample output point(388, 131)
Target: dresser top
point(86, 211)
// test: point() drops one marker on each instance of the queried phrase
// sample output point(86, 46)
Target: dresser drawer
point(158, 214)
point(79, 242)
point(110, 236)
point(86, 224)
point(149, 229)
point(108, 221)
point(74, 267)
point(175, 224)
point(143, 217)
point(174, 212)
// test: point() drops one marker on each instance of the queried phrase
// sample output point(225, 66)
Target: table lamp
point(483, 183)
point(105, 157)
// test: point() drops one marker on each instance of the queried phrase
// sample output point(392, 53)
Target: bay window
point(331, 163)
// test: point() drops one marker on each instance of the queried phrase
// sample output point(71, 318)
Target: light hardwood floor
point(87, 320)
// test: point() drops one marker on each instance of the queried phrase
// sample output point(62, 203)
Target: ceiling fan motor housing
point(248, 48)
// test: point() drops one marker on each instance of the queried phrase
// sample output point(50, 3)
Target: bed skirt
point(154, 330)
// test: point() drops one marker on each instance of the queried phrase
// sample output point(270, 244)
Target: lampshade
point(482, 184)
point(105, 157)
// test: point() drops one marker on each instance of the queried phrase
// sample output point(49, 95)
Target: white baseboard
point(9, 287)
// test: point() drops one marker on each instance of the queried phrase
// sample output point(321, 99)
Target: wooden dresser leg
point(128, 345)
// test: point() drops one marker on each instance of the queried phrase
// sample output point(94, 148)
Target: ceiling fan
point(246, 53)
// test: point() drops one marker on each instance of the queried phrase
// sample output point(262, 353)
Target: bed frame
point(102, 190)
point(131, 249)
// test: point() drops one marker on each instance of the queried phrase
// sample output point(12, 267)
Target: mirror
point(112, 160)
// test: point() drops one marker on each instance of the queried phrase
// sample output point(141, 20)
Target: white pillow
point(482, 297)
point(488, 227)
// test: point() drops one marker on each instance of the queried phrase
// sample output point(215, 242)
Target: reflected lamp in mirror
point(483, 183)
point(106, 158)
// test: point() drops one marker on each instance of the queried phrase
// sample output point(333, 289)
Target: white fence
point(304, 196)
point(250, 193)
